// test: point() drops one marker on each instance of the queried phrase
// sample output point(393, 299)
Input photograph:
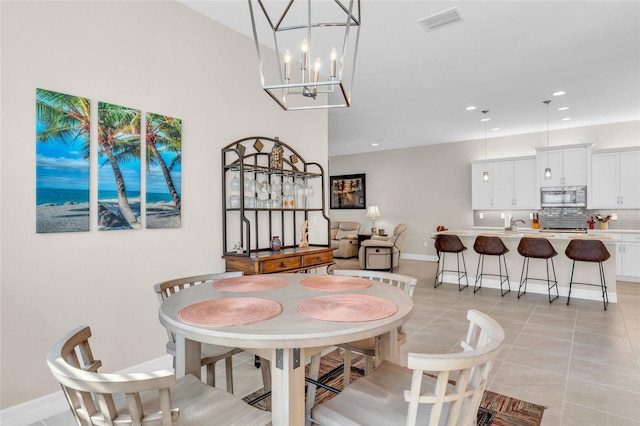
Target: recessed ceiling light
point(470, 108)
point(485, 119)
point(566, 119)
point(495, 129)
point(559, 93)
point(375, 144)
point(563, 108)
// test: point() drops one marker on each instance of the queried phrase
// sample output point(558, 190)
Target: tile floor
point(581, 362)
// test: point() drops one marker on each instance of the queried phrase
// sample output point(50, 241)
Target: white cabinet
point(570, 165)
point(628, 257)
point(614, 179)
point(512, 184)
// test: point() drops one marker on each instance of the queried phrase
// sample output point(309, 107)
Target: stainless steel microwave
point(566, 196)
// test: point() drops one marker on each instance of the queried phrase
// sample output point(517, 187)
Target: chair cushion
point(449, 244)
point(345, 234)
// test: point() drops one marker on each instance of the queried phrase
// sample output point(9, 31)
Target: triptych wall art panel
point(118, 167)
point(164, 155)
point(63, 167)
point(62, 162)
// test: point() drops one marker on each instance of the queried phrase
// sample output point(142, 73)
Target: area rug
point(495, 409)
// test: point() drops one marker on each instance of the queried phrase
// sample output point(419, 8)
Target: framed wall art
point(348, 192)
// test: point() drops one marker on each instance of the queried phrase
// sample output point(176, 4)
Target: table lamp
point(373, 212)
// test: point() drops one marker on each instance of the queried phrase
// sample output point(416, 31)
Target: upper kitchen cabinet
point(512, 184)
point(481, 191)
point(570, 165)
point(614, 179)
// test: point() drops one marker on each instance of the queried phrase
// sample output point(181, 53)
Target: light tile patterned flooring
point(581, 362)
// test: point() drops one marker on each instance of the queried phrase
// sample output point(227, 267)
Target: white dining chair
point(364, 346)
point(153, 398)
point(211, 354)
point(367, 346)
point(437, 389)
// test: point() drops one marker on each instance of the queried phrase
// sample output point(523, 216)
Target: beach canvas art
point(163, 180)
point(118, 167)
point(62, 162)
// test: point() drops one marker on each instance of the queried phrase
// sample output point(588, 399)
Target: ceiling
point(412, 86)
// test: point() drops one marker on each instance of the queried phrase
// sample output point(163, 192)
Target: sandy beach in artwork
point(73, 217)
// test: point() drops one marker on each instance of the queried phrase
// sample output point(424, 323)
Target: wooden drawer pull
point(282, 264)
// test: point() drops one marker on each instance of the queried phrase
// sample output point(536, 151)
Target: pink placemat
point(250, 283)
point(335, 283)
point(347, 308)
point(230, 311)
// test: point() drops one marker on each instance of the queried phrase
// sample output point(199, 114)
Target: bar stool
point(589, 251)
point(447, 243)
point(491, 246)
point(537, 248)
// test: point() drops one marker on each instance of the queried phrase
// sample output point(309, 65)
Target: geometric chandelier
point(306, 50)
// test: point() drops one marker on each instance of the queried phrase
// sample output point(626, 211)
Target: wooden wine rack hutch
point(270, 190)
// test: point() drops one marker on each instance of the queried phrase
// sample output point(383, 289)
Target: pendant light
point(485, 174)
point(547, 170)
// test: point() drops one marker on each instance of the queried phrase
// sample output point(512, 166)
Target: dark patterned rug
point(495, 409)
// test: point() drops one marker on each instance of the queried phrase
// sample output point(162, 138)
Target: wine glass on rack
point(287, 187)
point(249, 184)
point(235, 182)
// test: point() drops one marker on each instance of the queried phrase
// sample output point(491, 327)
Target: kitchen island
point(585, 272)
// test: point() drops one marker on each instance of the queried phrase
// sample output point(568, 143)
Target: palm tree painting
point(164, 155)
point(62, 162)
point(119, 167)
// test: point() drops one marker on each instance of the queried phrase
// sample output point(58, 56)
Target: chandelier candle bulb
point(316, 72)
point(287, 65)
point(303, 59)
point(334, 57)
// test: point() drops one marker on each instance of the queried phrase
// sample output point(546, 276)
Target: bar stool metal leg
point(479, 275)
point(524, 276)
point(506, 273)
point(555, 281)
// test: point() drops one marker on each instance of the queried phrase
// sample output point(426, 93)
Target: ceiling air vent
point(441, 20)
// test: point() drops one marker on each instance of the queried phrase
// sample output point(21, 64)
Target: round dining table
point(286, 319)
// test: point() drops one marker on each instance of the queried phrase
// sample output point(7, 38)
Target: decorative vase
point(276, 244)
point(604, 225)
point(275, 158)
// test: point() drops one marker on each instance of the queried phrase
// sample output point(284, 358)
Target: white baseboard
point(55, 403)
point(423, 257)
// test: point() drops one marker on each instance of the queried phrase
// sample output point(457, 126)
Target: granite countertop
point(528, 232)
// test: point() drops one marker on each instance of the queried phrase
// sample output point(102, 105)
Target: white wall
point(431, 185)
point(158, 57)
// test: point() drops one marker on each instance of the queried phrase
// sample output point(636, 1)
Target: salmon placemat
point(335, 283)
point(230, 311)
point(248, 283)
point(347, 308)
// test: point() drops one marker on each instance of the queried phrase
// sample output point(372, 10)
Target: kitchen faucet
point(514, 223)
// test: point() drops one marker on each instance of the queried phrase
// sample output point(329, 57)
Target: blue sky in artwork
point(61, 166)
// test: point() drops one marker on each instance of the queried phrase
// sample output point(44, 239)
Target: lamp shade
point(373, 212)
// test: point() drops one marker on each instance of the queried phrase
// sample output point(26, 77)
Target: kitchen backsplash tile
point(627, 219)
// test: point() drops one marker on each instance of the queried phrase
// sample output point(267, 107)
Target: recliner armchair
point(383, 253)
point(344, 237)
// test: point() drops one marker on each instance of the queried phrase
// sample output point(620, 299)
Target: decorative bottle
point(275, 158)
point(276, 244)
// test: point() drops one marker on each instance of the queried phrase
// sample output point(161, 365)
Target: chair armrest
point(376, 243)
point(379, 238)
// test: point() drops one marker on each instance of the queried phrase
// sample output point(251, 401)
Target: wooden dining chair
point(153, 398)
point(435, 388)
point(211, 354)
point(367, 346)
point(364, 346)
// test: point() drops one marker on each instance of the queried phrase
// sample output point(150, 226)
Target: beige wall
point(158, 57)
point(429, 186)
